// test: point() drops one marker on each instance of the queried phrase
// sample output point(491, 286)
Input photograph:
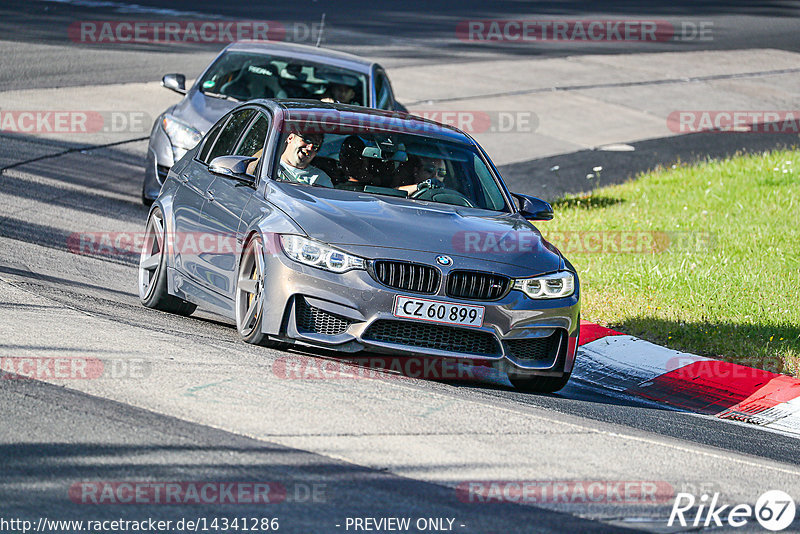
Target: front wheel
point(250, 295)
point(153, 270)
point(539, 384)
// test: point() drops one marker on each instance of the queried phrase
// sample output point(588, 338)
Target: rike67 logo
point(774, 510)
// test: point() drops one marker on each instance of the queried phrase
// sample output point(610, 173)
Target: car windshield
point(403, 165)
point(246, 76)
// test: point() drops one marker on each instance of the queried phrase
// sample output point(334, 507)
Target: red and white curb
point(632, 366)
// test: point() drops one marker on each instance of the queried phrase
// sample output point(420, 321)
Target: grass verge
point(700, 258)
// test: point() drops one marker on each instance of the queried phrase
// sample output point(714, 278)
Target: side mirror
point(176, 82)
point(532, 208)
point(233, 167)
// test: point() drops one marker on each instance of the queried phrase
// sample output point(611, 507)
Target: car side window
point(252, 143)
point(209, 142)
point(492, 196)
point(226, 142)
point(384, 92)
point(253, 140)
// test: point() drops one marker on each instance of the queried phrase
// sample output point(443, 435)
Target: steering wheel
point(445, 195)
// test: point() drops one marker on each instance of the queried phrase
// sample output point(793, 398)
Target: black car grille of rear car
point(477, 286)
point(537, 349)
point(407, 276)
point(311, 319)
point(432, 336)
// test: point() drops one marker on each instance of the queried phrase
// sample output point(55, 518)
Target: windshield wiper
point(221, 96)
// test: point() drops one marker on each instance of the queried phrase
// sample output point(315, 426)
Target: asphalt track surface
point(35, 39)
point(52, 436)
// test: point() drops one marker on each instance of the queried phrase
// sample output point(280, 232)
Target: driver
point(341, 88)
point(427, 170)
point(301, 149)
point(339, 93)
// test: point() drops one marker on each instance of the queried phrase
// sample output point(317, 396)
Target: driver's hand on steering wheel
point(430, 183)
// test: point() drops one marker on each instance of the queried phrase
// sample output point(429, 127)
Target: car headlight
point(316, 254)
point(182, 136)
point(549, 286)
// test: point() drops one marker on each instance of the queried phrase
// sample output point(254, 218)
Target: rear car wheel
point(250, 295)
point(153, 271)
point(539, 384)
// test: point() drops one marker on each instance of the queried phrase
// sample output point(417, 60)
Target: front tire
point(539, 384)
point(153, 270)
point(250, 295)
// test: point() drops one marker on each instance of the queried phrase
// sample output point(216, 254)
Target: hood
point(202, 111)
point(354, 220)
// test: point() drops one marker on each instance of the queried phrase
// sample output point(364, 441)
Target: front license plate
point(438, 312)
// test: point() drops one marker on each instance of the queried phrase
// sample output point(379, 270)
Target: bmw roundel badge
point(444, 260)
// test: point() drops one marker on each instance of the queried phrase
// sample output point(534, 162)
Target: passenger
point(257, 81)
point(361, 170)
point(265, 87)
point(351, 161)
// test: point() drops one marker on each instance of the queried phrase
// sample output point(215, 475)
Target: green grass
point(722, 275)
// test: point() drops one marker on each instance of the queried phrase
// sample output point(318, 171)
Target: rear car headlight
point(316, 254)
point(549, 286)
point(182, 136)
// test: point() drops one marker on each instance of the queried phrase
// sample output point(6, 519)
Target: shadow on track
point(84, 443)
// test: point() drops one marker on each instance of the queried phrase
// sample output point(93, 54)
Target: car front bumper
point(352, 312)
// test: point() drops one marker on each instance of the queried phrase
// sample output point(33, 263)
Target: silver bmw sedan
point(353, 229)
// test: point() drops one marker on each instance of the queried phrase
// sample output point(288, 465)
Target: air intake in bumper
point(430, 336)
point(312, 319)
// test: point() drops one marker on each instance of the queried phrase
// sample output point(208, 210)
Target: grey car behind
point(294, 70)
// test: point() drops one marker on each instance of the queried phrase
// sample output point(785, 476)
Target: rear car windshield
point(246, 76)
